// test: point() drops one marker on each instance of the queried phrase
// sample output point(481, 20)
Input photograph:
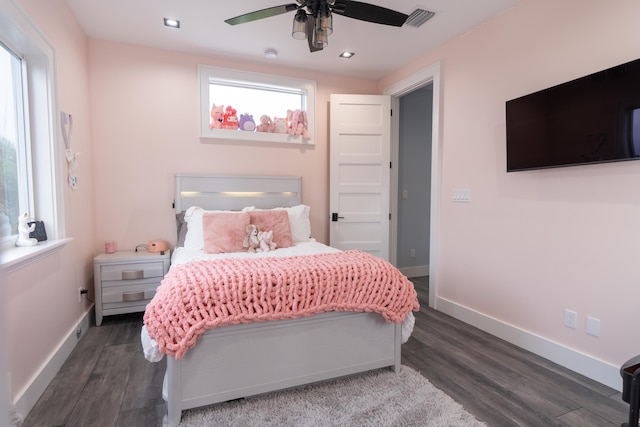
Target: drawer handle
point(133, 274)
point(132, 296)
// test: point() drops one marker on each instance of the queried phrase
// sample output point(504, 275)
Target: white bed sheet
point(312, 247)
point(182, 255)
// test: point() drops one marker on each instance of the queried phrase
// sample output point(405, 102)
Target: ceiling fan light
point(325, 20)
point(320, 38)
point(299, 31)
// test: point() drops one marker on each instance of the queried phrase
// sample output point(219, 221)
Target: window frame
point(207, 73)
point(42, 130)
point(23, 148)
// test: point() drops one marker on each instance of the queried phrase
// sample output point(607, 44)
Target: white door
point(359, 170)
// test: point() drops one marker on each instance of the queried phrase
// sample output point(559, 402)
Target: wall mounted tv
point(593, 119)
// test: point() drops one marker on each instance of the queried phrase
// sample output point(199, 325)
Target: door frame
point(423, 77)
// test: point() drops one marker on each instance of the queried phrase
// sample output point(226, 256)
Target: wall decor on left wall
point(72, 158)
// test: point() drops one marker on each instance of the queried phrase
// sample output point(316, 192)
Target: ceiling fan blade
point(369, 12)
point(311, 23)
point(261, 14)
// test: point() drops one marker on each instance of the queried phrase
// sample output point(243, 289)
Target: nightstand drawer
point(132, 271)
point(128, 294)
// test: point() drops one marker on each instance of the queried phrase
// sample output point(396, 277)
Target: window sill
point(209, 135)
point(14, 258)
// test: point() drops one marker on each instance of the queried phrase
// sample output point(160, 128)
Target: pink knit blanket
point(196, 296)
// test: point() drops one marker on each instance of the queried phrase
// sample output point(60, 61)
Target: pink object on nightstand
point(110, 247)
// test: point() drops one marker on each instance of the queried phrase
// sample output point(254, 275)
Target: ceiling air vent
point(418, 17)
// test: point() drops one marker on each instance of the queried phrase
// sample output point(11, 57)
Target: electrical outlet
point(81, 291)
point(412, 253)
point(570, 319)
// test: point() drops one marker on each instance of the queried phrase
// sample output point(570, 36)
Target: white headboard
point(230, 192)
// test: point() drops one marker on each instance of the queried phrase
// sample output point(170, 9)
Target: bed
point(235, 360)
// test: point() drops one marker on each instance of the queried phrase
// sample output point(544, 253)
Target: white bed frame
point(244, 360)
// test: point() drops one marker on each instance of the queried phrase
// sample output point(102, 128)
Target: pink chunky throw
point(206, 294)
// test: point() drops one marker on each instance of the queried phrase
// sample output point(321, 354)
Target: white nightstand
point(126, 281)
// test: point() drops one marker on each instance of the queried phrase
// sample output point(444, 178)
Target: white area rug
point(378, 398)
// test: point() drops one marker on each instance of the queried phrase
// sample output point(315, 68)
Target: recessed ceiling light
point(271, 53)
point(174, 23)
point(346, 54)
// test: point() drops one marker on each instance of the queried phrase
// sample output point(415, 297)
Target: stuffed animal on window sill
point(217, 116)
point(266, 241)
point(280, 125)
point(266, 124)
point(23, 231)
point(230, 121)
point(247, 123)
point(297, 123)
point(251, 241)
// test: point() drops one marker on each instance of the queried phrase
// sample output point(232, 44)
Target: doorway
point(428, 77)
point(414, 181)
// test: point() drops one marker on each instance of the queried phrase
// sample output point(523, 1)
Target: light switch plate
point(462, 195)
point(593, 326)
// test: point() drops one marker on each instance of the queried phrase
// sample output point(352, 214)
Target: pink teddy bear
point(266, 124)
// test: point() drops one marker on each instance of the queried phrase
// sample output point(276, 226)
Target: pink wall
point(144, 104)
point(42, 307)
point(531, 244)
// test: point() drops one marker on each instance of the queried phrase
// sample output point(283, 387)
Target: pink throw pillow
point(224, 231)
point(276, 220)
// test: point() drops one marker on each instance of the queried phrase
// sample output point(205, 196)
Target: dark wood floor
point(107, 382)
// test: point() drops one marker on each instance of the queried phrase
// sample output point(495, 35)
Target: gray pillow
point(182, 229)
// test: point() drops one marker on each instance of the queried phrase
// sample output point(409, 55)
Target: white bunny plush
point(266, 241)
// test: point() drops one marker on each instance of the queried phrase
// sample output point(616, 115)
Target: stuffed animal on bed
point(217, 116)
point(266, 241)
point(251, 241)
point(297, 123)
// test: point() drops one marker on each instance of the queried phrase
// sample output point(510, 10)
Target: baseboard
point(598, 370)
point(27, 398)
point(418, 271)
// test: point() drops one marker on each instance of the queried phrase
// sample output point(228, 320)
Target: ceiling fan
point(313, 19)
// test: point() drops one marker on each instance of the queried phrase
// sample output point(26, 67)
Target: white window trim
point(205, 73)
point(19, 32)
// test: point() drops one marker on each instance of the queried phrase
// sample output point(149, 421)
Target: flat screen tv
point(592, 119)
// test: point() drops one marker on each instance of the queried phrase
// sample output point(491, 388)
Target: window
point(13, 154)
point(29, 136)
point(255, 95)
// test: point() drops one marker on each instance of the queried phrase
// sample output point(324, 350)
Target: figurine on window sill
point(23, 231)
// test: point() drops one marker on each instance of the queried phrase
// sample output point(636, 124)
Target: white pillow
point(299, 222)
point(195, 233)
